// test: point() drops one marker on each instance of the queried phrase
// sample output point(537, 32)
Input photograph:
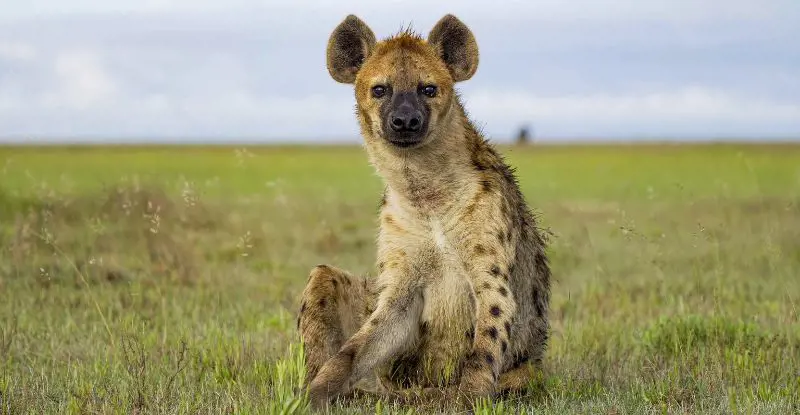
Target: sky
point(247, 70)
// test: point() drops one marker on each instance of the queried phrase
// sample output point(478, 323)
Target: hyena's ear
point(349, 45)
point(456, 46)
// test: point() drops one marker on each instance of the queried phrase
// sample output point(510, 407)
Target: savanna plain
point(162, 279)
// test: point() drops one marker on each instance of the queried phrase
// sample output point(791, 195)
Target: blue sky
point(255, 70)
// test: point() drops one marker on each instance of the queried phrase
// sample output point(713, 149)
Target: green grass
point(166, 279)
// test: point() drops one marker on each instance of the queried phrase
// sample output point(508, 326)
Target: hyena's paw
point(332, 380)
point(478, 379)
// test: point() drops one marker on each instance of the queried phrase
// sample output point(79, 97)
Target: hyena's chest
point(447, 324)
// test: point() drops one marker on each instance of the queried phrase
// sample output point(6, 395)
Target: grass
point(166, 279)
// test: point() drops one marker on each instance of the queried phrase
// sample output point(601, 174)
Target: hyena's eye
point(429, 90)
point(378, 91)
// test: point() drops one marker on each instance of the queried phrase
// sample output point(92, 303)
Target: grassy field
point(166, 279)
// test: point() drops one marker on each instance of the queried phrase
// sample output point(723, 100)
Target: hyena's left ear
point(456, 46)
point(349, 45)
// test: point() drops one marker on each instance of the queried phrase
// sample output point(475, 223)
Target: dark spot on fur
point(479, 249)
point(503, 346)
point(375, 321)
point(520, 360)
point(470, 334)
point(495, 310)
point(511, 269)
point(500, 236)
point(503, 291)
point(495, 270)
point(486, 286)
point(381, 266)
point(492, 332)
point(303, 308)
point(322, 303)
point(489, 358)
point(298, 322)
point(423, 328)
point(471, 208)
point(335, 284)
point(486, 185)
point(508, 329)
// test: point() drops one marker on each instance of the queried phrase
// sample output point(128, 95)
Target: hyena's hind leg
point(334, 306)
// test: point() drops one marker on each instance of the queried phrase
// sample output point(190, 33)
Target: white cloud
point(16, 51)
point(83, 81)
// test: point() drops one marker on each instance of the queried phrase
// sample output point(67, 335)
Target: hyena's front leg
point(390, 330)
point(495, 312)
point(334, 306)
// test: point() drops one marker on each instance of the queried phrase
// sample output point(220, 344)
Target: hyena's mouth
point(405, 142)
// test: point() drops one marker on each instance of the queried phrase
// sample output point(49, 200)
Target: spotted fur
point(463, 289)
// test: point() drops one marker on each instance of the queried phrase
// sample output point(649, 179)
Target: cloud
point(83, 82)
point(16, 51)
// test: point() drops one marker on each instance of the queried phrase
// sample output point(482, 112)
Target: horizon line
point(262, 142)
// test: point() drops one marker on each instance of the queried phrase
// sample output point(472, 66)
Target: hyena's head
point(403, 85)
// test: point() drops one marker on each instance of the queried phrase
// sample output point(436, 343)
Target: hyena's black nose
point(406, 120)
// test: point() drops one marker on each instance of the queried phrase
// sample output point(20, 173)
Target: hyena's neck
point(435, 178)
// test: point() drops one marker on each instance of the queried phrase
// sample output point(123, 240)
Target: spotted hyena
point(462, 295)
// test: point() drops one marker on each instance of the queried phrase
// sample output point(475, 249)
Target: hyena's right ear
point(349, 45)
